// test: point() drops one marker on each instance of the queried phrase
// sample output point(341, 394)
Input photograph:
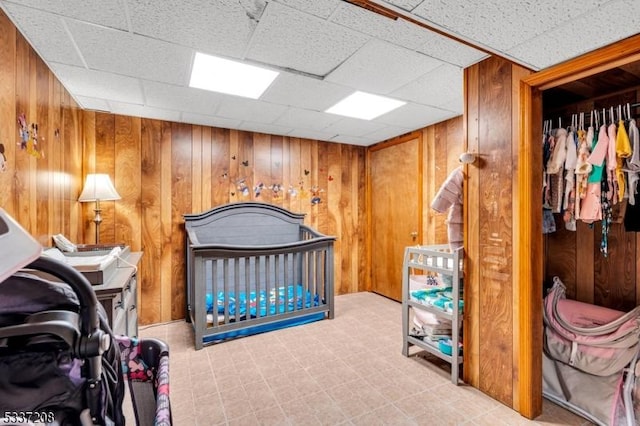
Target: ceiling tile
point(48, 5)
point(387, 132)
point(214, 27)
point(270, 129)
point(353, 127)
point(353, 140)
point(295, 117)
point(564, 42)
point(237, 108)
point(97, 84)
point(362, 20)
point(134, 110)
point(304, 92)
point(311, 134)
point(502, 24)
point(108, 13)
point(381, 67)
point(415, 116)
point(405, 4)
point(433, 44)
point(46, 33)
point(94, 104)
point(124, 53)
point(186, 99)
point(435, 88)
point(291, 39)
point(210, 120)
point(321, 8)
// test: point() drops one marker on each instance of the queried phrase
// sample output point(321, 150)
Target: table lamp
point(98, 187)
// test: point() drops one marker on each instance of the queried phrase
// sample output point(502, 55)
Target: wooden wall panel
point(471, 322)
point(39, 193)
point(181, 198)
point(495, 214)
point(8, 101)
point(151, 165)
point(163, 170)
point(493, 296)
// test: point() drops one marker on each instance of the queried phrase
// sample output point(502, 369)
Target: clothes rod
point(588, 113)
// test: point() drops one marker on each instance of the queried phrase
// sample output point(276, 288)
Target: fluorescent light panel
point(230, 77)
point(365, 106)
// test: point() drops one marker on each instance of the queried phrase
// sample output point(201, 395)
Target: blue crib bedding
point(280, 300)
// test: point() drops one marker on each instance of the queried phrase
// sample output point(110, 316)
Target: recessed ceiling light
point(365, 106)
point(230, 77)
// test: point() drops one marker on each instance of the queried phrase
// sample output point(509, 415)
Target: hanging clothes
point(623, 151)
point(612, 165)
point(570, 188)
point(583, 167)
point(591, 209)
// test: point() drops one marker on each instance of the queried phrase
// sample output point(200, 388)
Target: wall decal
point(245, 163)
point(276, 190)
point(29, 137)
point(3, 159)
point(233, 157)
point(257, 190)
point(306, 172)
point(315, 195)
point(243, 189)
point(330, 178)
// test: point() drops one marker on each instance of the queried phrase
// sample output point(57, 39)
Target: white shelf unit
point(446, 262)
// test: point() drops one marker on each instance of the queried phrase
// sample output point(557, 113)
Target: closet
point(597, 261)
point(612, 281)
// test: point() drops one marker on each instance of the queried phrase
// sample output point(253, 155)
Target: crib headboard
point(244, 224)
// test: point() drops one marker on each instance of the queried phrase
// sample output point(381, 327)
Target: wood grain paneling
point(496, 304)
point(40, 193)
point(496, 217)
point(163, 170)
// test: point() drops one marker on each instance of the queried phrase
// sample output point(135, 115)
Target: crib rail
point(233, 287)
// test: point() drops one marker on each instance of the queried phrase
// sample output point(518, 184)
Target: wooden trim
point(529, 232)
point(395, 141)
point(605, 58)
point(420, 179)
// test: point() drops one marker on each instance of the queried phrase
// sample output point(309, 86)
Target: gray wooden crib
point(254, 267)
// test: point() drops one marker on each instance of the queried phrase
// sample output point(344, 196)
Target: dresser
point(119, 296)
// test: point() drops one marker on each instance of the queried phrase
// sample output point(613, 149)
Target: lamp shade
point(98, 187)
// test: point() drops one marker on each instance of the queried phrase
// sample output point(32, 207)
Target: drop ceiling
point(134, 57)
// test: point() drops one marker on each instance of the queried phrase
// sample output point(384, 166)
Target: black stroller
point(59, 362)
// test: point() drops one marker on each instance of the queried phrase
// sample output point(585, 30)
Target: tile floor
point(345, 371)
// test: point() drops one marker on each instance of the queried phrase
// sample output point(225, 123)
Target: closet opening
point(599, 80)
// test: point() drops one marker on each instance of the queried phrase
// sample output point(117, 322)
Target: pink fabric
point(600, 150)
point(591, 208)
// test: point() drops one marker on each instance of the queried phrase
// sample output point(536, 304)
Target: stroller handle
point(88, 301)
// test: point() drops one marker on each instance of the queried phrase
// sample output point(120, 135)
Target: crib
point(255, 267)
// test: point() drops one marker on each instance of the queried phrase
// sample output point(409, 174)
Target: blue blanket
point(280, 300)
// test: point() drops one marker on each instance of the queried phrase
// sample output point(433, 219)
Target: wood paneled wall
point(492, 296)
point(612, 281)
point(163, 170)
point(40, 193)
point(443, 144)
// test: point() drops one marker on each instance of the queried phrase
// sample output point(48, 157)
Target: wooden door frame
point(528, 234)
